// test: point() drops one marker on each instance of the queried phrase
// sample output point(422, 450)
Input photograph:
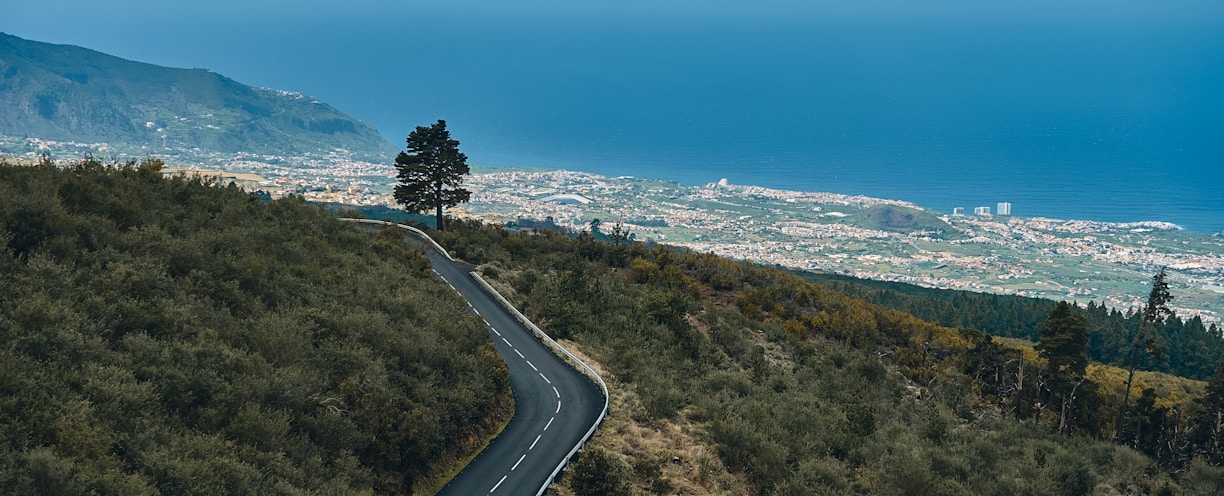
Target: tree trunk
point(1130, 378)
point(1062, 417)
point(438, 207)
point(1214, 455)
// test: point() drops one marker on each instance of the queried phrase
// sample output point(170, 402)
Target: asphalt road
point(555, 405)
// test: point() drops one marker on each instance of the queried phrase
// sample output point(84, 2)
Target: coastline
point(1151, 224)
point(1078, 260)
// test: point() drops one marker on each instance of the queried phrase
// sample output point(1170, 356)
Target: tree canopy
point(1064, 337)
point(1154, 314)
point(431, 172)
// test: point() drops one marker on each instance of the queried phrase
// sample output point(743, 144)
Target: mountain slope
point(163, 336)
point(64, 92)
point(730, 378)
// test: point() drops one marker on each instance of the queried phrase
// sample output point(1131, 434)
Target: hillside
point(1188, 347)
point(69, 93)
point(166, 336)
point(731, 378)
point(894, 218)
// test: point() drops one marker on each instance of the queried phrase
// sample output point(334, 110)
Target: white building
point(984, 211)
point(958, 211)
point(1004, 208)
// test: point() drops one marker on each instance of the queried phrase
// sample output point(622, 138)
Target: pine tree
point(1208, 423)
point(431, 171)
point(1064, 339)
point(1154, 314)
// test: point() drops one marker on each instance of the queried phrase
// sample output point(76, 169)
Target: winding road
point(557, 408)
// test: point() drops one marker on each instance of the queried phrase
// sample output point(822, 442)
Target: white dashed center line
point(545, 378)
point(520, 354)
point(532, 366)
point(516, 464)
point(549, 423)
point(533, 443)
point(503, 479)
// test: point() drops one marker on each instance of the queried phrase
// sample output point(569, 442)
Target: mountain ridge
point(72, 93)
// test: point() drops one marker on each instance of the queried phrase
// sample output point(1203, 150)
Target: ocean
point(1091, 117)
point(1113, 125)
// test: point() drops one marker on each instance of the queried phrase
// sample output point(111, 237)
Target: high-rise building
point(958, 211)
point(981, 211)
point(1004, 208)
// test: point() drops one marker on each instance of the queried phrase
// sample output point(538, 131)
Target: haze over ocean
point(1112, 112)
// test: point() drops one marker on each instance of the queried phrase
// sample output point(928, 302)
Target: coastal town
point(1109, 263)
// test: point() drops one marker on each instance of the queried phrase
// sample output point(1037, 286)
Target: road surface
point(555, 405)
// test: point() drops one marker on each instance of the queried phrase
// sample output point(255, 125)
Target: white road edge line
point(516, 464)
point(533, 443)
point(549, 423)
point(498, 484)
point(535, 329)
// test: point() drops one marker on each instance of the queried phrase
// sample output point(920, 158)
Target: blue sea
point(1100, 116)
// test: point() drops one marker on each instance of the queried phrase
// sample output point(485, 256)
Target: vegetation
point(166, 336)
point(794, 388)
point(431, 171)
point(1188, 347)
point(896, 218)
point(1064, 336)
point(1154, 314)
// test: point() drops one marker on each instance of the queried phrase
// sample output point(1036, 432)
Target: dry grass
point(688, 465)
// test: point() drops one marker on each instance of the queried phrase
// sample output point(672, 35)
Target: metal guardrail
point(411, 229)
point(588, 371)
point(539, 333)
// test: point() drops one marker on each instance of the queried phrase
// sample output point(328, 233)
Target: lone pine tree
point(431, 171)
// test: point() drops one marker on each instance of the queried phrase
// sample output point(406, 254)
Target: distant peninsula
point(69, 93)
